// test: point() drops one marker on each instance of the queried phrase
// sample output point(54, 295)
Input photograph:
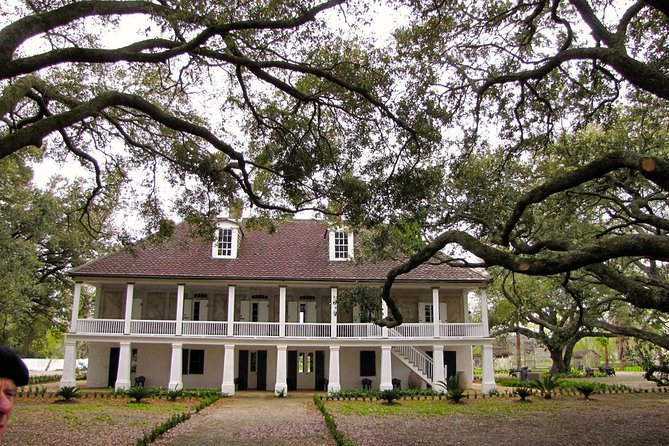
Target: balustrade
point(271, 329)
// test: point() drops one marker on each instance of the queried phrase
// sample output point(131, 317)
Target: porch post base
point(334, 388)
point(228, 389)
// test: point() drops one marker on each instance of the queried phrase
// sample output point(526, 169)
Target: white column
point(386, 369)
point(176, 376)
point(130, 289)
point(282, 311)
point(181, 291)
point(483, 296)
point(436, 317)
point(333, 374)
point(488, 379)
point(123, 375)
point(228, 385)
point(438, 372)
point(333, 312)
point(68, 379)
point(98, 302)
point(76, 297)
point(231, 310)
point(281, 385)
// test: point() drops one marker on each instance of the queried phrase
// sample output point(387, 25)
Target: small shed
point(582, 359)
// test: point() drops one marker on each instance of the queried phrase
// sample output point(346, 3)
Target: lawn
point(88, 421)
point(608, 419)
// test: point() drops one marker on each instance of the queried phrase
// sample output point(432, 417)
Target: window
point(305, 362)
point(254, 362)
point(340, 245)
point(225, 242)
point(133, 361)
point(192, 362)
point(367, 363)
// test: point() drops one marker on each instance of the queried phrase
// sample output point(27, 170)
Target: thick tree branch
point(625, 330)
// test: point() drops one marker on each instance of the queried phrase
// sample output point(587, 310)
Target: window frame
point(192, 361)
point(224, 247)
point(339, 238)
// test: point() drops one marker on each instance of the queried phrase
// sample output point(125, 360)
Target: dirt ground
point(258, 418)
point(611, 420)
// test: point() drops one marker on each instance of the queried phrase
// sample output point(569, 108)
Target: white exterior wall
point(213, 367)
point(465, 364)
point(98, 363)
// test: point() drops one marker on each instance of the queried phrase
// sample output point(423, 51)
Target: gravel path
point(252, 419)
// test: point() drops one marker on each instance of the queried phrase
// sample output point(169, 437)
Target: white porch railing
point(307, 330)
point(256, 329)
point(413, 330)
point(359, 331)
point(205, 328)
point(153, 327)
point(100, 326)
point(271, 329)
point(461, 331)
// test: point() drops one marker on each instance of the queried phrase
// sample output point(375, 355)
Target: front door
point(243, 370)
point(320, 370)
point(450, 363)
point(291, 377)
point(262, 370)
point(114, 353)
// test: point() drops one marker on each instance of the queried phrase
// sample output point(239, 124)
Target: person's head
point(13, 373)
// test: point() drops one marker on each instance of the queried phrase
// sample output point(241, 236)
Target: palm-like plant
point(547, 385)
point(454, 392)
point(523, 393)
point(139, 393)
point(68, 393)
point(586, 389)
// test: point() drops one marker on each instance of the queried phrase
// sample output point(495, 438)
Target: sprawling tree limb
point(625, 330)
point(655, 169)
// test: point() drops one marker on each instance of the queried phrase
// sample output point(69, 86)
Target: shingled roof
point(297, 251)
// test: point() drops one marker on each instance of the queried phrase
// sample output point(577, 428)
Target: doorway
point(114, 353)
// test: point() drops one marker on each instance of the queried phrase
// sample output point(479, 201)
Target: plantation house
point(258, 310)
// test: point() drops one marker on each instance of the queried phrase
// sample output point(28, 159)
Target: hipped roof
point(297, 251)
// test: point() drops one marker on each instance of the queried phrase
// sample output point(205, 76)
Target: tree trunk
point(560, 365)
point(519, 362)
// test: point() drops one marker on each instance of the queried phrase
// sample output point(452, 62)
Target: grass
point(489, 406)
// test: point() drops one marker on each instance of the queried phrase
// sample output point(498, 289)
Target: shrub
point(390, 395)
point(586, 389)
point(493, 392)
point(523, 393)
point(139, 393)
point(454, 392)
point(68, 393)
point(173, 394)
point(547, 385)
point(509, 382)
point(330, 423)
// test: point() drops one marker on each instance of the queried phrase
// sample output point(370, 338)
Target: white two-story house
point(258, 310)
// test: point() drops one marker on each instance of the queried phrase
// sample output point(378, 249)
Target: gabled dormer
point(340, 244)
point(226, 240)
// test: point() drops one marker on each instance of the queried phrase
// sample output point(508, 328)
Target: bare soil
point(629, 419)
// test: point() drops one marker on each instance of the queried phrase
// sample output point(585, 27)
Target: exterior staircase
point(413, 358)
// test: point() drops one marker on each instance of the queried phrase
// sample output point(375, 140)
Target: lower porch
point(279, 368)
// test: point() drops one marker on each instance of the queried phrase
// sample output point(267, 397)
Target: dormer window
point(225, 242)
point(341, 245)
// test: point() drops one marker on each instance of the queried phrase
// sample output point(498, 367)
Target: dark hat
point(12, 367)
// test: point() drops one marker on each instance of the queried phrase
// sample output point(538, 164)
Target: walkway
point(254, 418)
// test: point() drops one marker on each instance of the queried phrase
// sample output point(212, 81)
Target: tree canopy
point(531, 134)
point(41, 238)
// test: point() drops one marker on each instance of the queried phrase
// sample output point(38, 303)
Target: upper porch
point(277, 311)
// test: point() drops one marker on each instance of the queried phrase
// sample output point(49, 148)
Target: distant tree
point(546, 310)
point(41, 238)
